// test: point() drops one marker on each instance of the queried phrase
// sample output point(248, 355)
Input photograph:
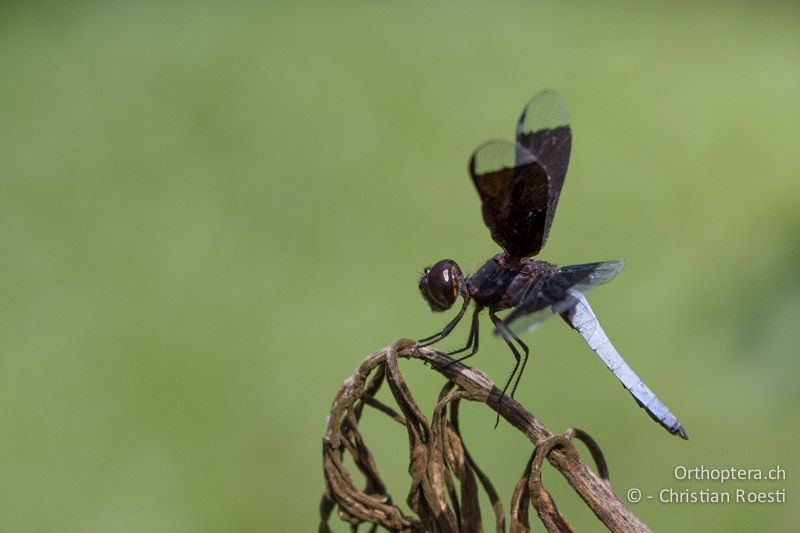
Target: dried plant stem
point(439, 460)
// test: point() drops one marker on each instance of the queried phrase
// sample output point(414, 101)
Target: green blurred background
point(211, 214)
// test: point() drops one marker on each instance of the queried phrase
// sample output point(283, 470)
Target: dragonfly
point(519, 184)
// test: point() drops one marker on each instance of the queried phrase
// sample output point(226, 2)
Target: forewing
point(513, 187)
point(554, 295)
point(543, 131)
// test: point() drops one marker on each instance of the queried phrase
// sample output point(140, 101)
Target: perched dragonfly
point(519, 185)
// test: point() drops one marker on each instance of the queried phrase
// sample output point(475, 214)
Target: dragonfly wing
point(551, 296)
point(513, 188)
point(519, 183)
point(543, 130)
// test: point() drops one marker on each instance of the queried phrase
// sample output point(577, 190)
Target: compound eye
point(442, 285)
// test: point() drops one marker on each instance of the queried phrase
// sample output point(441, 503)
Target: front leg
point(472, 340)
point(436, 337)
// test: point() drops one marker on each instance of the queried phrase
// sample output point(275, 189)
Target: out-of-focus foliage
point(210, 213)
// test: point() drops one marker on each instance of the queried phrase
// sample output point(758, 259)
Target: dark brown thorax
point(503, 280)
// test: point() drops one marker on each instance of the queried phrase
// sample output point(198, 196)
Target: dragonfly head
point(441, 284)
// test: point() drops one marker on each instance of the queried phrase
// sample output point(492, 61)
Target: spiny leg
point(436, 337)
point(472, 341)
point(507, 334)
point(524, 357)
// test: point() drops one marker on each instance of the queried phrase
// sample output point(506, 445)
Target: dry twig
point(444, 477)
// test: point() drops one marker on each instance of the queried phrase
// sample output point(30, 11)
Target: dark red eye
point(440, 284)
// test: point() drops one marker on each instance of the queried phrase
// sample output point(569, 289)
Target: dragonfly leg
point(508, 336)
point(436, 337)
point(472, 341)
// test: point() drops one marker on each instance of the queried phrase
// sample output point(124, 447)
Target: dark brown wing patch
point(514, 198)
point(519, 184)
point(543, 131)
point(551, 148)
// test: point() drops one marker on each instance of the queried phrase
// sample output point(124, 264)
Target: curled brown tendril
point(445, 480)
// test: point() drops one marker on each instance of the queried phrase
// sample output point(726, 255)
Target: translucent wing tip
point(497, 154)
point(602, 273)
point(491, 156)
point(546, 110)
point(614, 266)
